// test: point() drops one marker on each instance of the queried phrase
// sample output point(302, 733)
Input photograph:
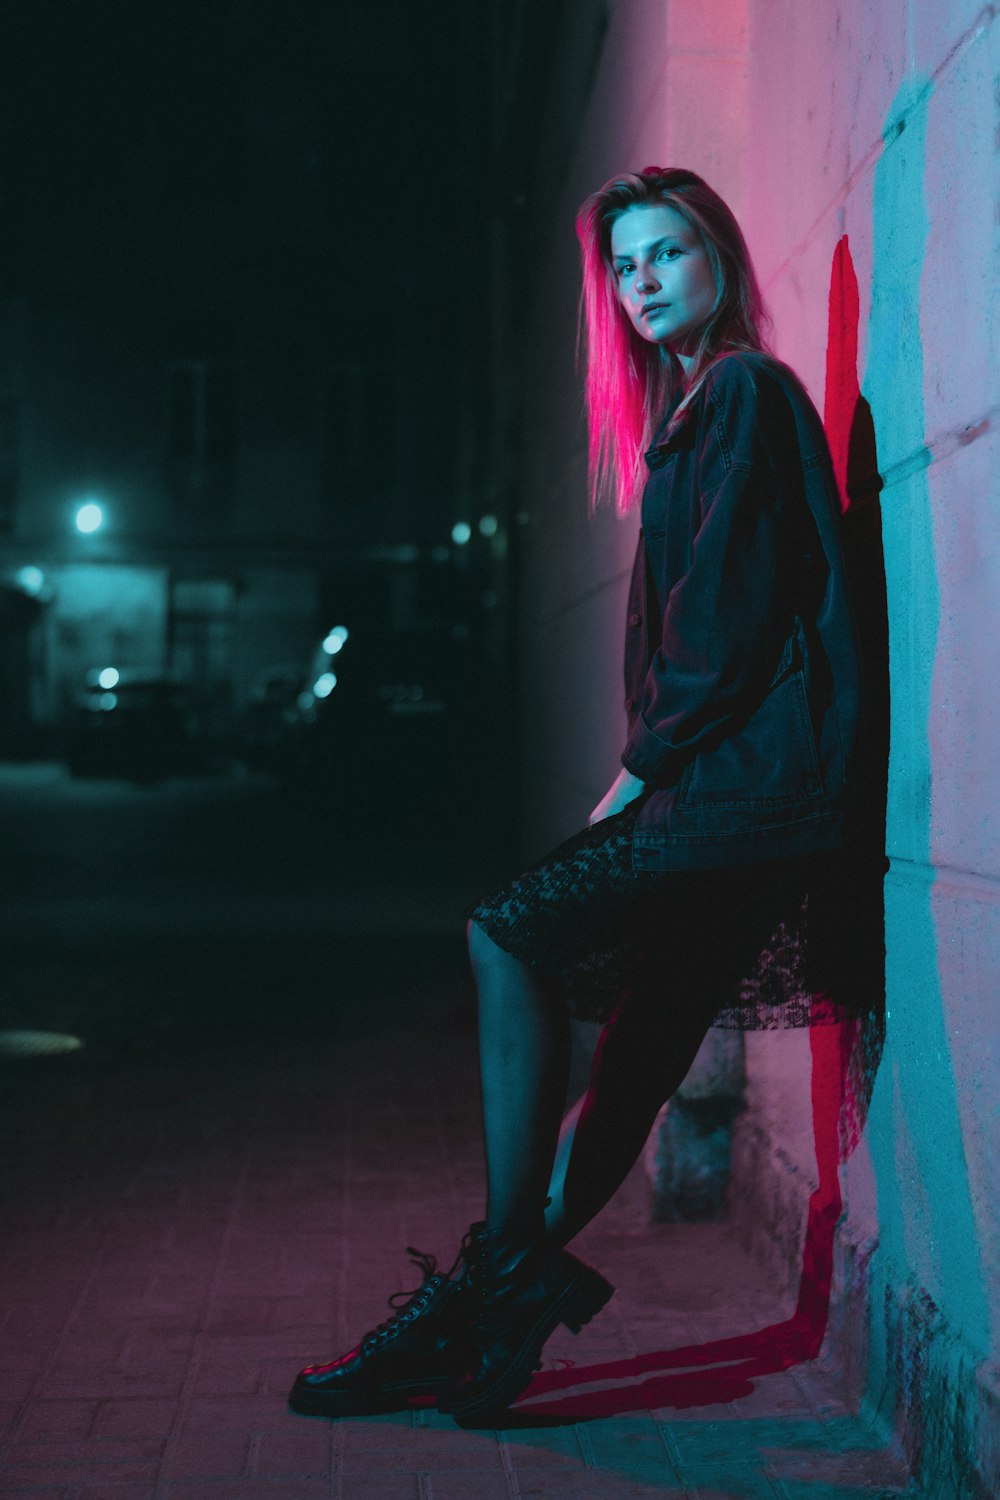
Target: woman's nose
point(646, 281)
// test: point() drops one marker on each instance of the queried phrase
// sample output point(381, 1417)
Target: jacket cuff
point(649, 758)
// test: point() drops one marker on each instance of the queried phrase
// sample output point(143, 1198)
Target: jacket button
point(634, 619)
point(630, 704)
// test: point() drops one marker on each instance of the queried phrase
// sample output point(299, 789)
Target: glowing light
point(109, 678)
point(488, 525)
point(108, 701)
point(89, 517)
point(32, 580)
point(333, 644)
point(324, 685)
point(37, 1043)
point(460, 533)
point(305, 701)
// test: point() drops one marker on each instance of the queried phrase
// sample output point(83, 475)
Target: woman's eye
point(622, 270)
point(669, 252)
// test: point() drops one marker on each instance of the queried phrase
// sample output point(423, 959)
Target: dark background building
point(255, 308)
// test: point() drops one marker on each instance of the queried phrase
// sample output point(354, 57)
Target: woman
point(742, 701)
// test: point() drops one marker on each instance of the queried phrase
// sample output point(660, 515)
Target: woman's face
point(663, 274)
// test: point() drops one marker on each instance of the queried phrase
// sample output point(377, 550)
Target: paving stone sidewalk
point(219, 1188)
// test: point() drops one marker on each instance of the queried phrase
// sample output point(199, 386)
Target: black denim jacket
point(741, 666)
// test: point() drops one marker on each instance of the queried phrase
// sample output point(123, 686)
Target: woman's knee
point(479, 942)
point(486, 956)
point(646, 1055)
point(503, 971)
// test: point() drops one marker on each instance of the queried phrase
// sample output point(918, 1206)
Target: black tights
point(524, 1045)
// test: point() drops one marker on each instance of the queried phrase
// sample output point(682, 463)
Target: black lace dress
point(764, 946)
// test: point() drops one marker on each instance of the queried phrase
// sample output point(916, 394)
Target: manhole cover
point(37, 1043)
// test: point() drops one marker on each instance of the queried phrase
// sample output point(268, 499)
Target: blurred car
point(137, 725)
point(379, 713)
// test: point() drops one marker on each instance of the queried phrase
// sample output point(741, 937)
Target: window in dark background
point(357, 417)
point(184, 413)
point(342, 415)
point(203, 633)
point(203, 412)
point(202, 436)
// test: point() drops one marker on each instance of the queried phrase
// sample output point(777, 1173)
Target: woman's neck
point(681, 363)
point(686, 362)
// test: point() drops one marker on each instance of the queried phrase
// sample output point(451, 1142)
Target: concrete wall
point(875, 122)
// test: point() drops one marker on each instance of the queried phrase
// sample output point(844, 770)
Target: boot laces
point(408, 1305)
point(423, 1262)
point(482, 1283)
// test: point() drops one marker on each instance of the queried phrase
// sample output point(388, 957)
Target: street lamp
point(89, 518)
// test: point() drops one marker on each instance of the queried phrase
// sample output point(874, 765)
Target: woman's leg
point(524, 1068)
point(519, 1286)
point(648, 1046)
point(425, 1346)
point(640, 1061)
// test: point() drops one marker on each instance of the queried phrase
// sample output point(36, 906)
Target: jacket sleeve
point(723, 621)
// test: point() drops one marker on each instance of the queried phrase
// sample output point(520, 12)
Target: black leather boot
point(520, 1289)
point(414, 1354)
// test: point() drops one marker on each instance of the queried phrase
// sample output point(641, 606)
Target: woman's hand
point(623, 790)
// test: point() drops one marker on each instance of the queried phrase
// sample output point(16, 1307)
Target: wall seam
point(579, 599)
point(941, 874)
point(942, 446)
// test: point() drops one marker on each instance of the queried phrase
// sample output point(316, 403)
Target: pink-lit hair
point(630, 381)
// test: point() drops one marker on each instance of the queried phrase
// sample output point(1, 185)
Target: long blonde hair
point(629, 381)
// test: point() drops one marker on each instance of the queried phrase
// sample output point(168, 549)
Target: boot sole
point(316, 1403)
point(576, 1305)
